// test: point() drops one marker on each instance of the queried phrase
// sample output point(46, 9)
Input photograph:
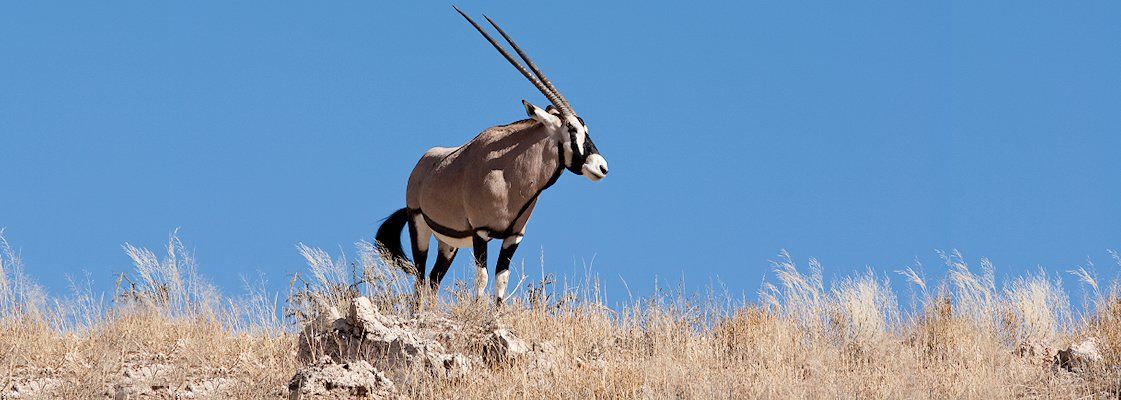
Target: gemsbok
point(487, 188)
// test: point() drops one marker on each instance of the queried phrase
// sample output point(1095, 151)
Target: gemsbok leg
point(419, 236)
point(502, 269)
point(445, 253)
point(479, 247)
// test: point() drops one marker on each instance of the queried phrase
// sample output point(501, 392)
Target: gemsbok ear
point(542, 116)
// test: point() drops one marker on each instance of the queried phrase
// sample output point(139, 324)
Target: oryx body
point(487, 188)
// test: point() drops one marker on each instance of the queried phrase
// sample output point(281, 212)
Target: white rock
point(503, 346)
point(325, 380)
point(1079, 355)
point(1087, 350)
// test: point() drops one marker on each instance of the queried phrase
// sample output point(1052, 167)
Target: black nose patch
point(603, 169)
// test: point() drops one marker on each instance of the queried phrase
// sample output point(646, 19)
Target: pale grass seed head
point(1040, 308)
point(868, 308)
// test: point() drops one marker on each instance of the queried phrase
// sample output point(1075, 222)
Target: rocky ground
point(356, 355)
point(362, 353)
point(366, 354)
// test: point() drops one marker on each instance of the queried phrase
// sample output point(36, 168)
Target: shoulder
point(440, 152)
point(499, 132)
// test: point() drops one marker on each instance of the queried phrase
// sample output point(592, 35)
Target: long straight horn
point(529, 63)
point(553, 97)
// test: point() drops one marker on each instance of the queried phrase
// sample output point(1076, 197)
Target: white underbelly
point(454, 242)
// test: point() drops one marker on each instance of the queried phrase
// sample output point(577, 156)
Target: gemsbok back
point(487, 188)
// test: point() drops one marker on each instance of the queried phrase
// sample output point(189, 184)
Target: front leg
point(502, 269)
point(479, 247)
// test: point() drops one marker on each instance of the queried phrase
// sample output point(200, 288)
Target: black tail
point(389, 235)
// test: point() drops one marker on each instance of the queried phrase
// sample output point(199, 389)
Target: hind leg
point(419, 236)
point(445, 253)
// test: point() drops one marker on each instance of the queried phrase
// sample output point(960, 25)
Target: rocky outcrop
point(389, 342)
point(503, 348)
point(327, 380)
point(1077, 357)
point(397, 347)
point(154, 376)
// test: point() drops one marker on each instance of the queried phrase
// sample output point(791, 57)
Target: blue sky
point(862, 133)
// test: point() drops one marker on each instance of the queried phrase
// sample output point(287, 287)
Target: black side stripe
point(443, 230)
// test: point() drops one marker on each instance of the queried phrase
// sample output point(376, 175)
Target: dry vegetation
point(166, 333)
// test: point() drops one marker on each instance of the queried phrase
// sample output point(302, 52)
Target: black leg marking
point(479, 247)
point(420, 257)
point(502, 268)
point(443, 262)
point(504, 257)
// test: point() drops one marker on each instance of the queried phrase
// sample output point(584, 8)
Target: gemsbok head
point(487, 188)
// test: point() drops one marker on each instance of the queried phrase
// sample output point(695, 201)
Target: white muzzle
point(595, 167)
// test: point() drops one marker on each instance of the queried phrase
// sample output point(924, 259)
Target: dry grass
point(804, 338)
